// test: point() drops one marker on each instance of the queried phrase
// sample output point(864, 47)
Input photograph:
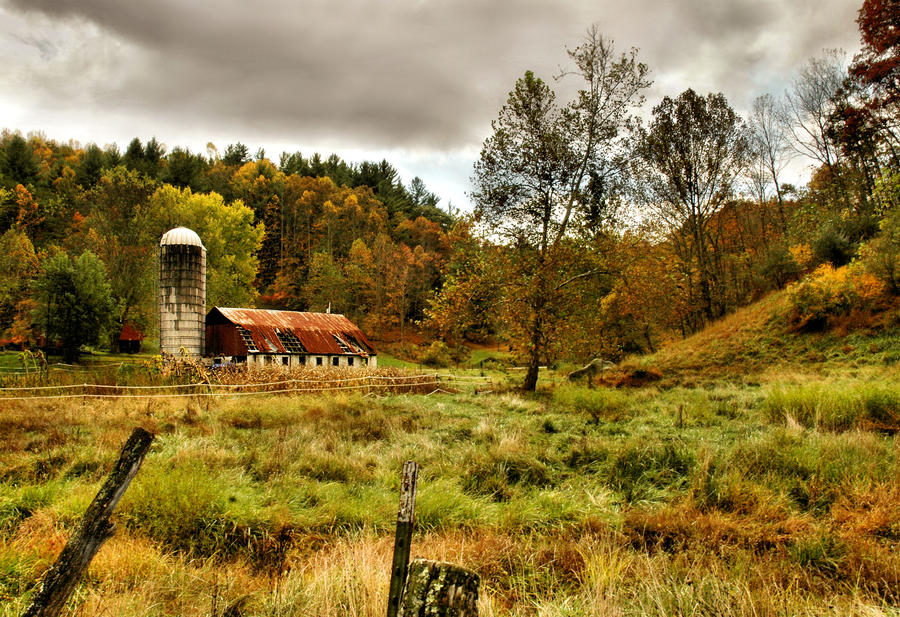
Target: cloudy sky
point(414, 81)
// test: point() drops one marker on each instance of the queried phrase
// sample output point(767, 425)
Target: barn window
point(247, 338)
point(285, 360)
point(290, 341)
point(302, 360)
point(358, 346)
point(336, 360)
point(318, 360)
point(350, 361)
point(341, 344)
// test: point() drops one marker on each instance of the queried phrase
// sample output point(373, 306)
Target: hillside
point(757, 342)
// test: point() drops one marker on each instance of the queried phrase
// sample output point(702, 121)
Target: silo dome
point(182, 292)
point(181, 235)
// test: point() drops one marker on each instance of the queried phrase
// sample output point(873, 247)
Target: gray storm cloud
point(424, 74)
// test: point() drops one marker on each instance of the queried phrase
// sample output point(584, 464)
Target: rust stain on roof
point(318, 333)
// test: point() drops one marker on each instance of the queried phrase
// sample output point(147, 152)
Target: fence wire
point(424, 383)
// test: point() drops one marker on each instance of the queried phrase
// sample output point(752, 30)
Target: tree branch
point(572, 279)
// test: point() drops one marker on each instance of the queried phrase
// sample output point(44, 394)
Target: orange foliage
point(28, 217)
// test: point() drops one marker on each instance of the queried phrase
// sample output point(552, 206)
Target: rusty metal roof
point(319, 333)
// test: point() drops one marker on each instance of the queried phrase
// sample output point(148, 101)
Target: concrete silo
point(182, 292)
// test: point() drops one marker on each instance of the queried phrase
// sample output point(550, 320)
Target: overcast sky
point(414, 81)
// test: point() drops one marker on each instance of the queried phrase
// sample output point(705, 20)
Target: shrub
point(881, 256)
point(831, 246)
point(437, 355)
point(779, 265)
point(830, 292)
point(802, 255)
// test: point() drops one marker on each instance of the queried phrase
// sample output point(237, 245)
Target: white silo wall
point(182, 298)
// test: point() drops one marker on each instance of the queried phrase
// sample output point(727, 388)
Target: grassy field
point(756, 472)
point(778, 498)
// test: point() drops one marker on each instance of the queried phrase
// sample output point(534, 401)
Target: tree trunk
point(437, 589)
point(534, 357)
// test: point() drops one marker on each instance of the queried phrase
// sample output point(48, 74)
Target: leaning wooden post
point(437, 589)
point(95, 529)
point(406, 515)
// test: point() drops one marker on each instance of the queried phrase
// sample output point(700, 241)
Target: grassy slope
point(756, 342)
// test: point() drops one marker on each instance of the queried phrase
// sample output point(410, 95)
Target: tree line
point(595, 232)
point(285, 236)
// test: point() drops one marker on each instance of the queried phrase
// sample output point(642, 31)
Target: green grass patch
point(836, 406)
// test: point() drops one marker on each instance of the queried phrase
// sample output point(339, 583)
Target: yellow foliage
point(802, 254)
point(830, 292)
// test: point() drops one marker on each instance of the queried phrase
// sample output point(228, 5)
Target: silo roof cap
point(181, 236)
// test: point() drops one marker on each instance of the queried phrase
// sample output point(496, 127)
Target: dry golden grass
point(682, 501)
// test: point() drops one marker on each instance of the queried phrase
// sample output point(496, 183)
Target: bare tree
point(770, 151)
point(809, 104)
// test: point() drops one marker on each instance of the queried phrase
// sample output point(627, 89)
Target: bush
point(830, 292)
point(779, 266)
point(881, 256)
point(831, 246)
point(437, 355)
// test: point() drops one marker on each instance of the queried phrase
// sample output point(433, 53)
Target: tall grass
point(836, 406)
point(694, 501)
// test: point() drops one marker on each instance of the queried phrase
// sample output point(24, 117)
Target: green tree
point(184, 168)
point(134, 155)
point(118, 227)
point(18, 162)
point(153, 158)
point(74, 302)
point(90, 168)
point(236, 154)
point(540, 178)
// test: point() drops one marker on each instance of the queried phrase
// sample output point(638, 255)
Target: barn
point(264, 337)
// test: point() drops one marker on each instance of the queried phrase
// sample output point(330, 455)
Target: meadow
point(774, 493)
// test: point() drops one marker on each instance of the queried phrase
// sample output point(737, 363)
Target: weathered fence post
point(437, 589)
point(403, 539)
point(60, 580)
